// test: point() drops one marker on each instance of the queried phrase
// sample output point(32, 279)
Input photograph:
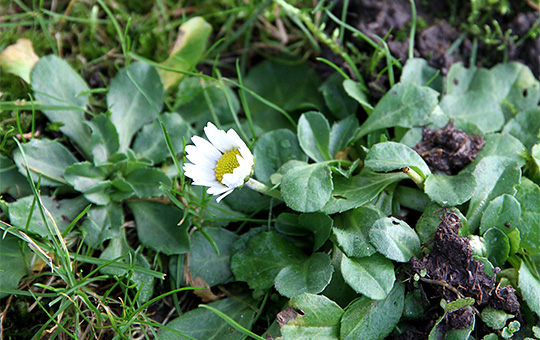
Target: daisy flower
point(222, 163)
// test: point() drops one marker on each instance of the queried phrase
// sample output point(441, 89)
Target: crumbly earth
point(450, 271)
point(448, 150)
point(435, 42)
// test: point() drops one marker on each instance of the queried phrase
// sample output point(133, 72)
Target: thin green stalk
point(231, 109)
point(243, 101)
point(413, 29)
point(254, 94)
point(415, 177)
point(474, 51)
point(210, 105)
point(119, 32)
point(343, 19)
point(244, 26)
point(114, 264)
point(170, 147)
point(359, 33)
point(263, 188)
point(233, 323)
point(65, 270)
point(18, 122)
point(335, 47)
point(334, 66)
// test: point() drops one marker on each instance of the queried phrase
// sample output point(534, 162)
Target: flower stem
point(263, 188)
point(416, 178)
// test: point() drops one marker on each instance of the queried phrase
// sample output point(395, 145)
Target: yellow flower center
point(227, 164)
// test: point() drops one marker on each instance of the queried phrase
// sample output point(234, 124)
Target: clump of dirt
point(451, 272)
point(448, 150)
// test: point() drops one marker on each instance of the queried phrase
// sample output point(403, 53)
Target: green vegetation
point(365, 219)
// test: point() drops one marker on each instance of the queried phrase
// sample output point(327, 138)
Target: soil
point(439, 30)
point(448, 150)
point(450, 272)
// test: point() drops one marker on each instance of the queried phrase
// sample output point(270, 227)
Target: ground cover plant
point(269, 170)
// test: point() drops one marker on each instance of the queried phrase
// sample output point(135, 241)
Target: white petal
point(247, 155)
point(223, 196)
point(201, 159)
point(236, 140)
point(238, 176)
point(217, 190)
point(218, 138)
point(206, 147)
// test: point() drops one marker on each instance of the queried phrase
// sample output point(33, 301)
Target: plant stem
point(263, 188)
point(416, 178)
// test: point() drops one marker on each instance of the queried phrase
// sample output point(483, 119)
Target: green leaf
point(63, 212)
point(372, 276)
point(19, 58)
point(205, 262)
point(502, 145)
point(373, 320)
point(187, 51)
point(355, 191)
point(82, 176)
point(390, 156)
point(459, 303)
point(516, 85)
point(217, 214)
point(201, 323)
point(418, 71)
point(528, 196)
point(13, 265)
point(272, 150)
point(338, 290)
point(495, 319)
point(146, 182)
point(394, 239)
point(102, 223)
point(448, 190)
point(104, 140)
point(199, 101)
point(135, 97)
point(56, 84)
point(411, 198)
point(415, 305)
point(351, 230)
point(310, 276)
point(157, 227)
point(287, 223)
point(342, 133)
point(497, 245)
point(529, 284)
point(307, 187)
point(11, 180)
point(263, 258)
point(314, 136)
point(47, 158)
point(525, 126)
point(292, 87)
point(319, 318)
point(336, 98)
point(118, 248)
point(150, 142)
point(319, 224)
point(358, 92)
point(314, 227)
point(405, 105)
point(471, 97)
point(503, 212)
point(495, 176)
